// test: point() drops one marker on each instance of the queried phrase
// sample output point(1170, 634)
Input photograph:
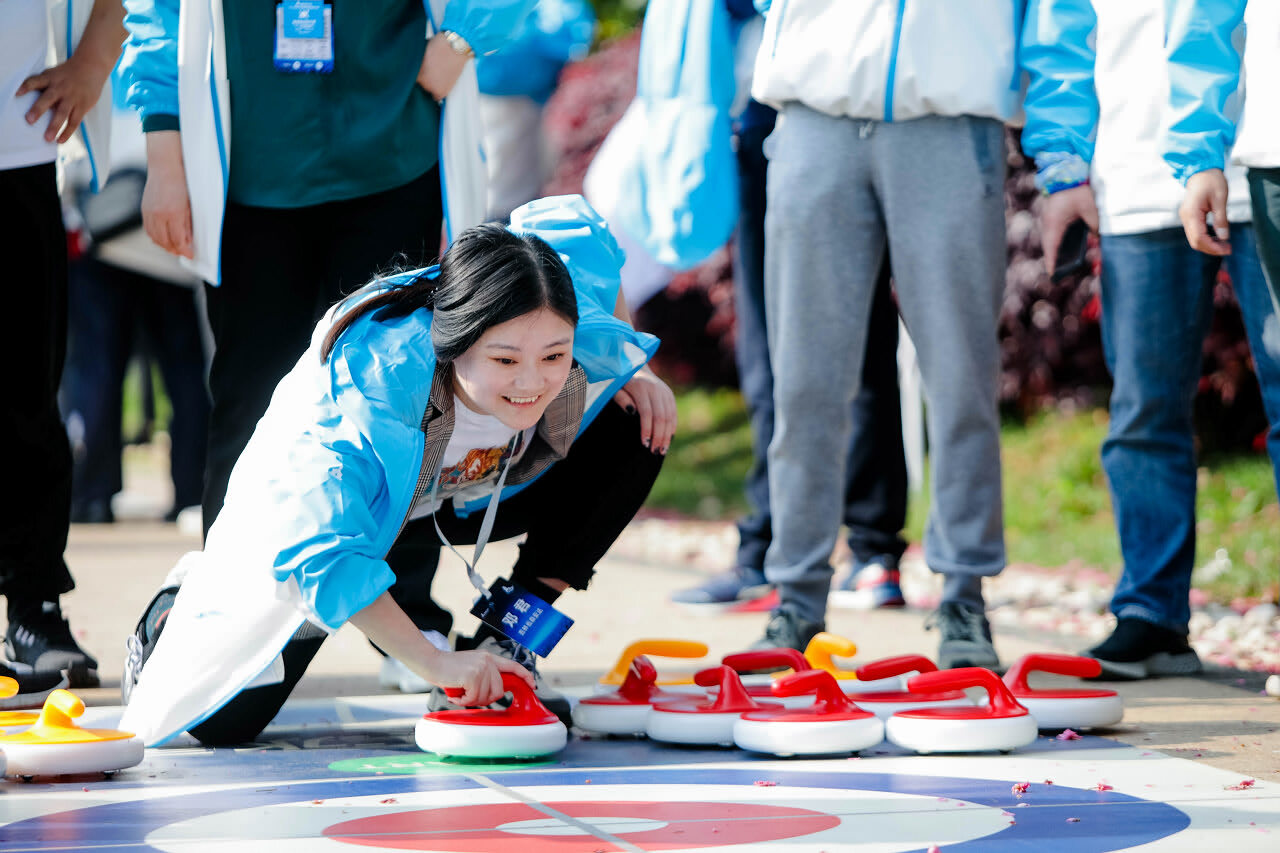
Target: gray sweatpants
point(838, 189)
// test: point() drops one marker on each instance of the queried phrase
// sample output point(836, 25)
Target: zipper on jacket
point(420, 488)
point(893, 61)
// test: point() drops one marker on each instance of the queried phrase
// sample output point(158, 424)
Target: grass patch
point(1057, 504)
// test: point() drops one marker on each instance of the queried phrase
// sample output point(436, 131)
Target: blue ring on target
point(1115, 821)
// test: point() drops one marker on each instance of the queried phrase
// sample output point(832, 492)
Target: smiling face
point(516, 368)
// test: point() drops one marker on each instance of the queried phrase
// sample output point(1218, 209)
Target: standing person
point(43, 104)
point(1217, 117)
point(292, 186)
point(875, 490)
point(1094, 110)
point(495, 395)
point(865, 99)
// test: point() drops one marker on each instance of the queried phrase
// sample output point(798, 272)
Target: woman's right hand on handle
point(477, 674)
point(166, 207)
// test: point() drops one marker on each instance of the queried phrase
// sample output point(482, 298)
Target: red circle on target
point(479, 829)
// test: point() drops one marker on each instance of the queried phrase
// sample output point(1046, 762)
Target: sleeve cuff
point(1057, 171)
point(159, 121)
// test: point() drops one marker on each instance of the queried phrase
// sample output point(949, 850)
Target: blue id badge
point(304, 36)
point(522, 616)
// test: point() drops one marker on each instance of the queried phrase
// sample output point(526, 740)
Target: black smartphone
point(1073, 251)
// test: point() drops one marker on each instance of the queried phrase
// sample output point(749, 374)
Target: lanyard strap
point(486, 526)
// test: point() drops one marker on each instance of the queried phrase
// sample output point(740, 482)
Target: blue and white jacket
point(1224, 76)
point(67, 20)
point(345, 450)
point(1098, 91)
point(198, 92)
point(892, 60)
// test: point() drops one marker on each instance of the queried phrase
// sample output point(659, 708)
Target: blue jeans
point(1157, 302)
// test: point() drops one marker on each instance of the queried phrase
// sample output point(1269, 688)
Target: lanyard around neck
point(486, 526)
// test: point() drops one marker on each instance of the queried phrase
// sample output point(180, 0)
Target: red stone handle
point(1001, 702)
point(765, 659)
point(897, 665)
point(1080, 667)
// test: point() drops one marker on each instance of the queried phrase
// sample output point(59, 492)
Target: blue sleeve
point(762, 6)
point(530, 61)
point(486, 24)
point(1058, 53)
point(741, 9)
point(1204, 73)
point(149, 64)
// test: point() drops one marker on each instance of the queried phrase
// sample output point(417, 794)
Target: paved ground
point(117, 568)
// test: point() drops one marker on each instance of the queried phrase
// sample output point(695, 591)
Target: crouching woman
point(494, 394)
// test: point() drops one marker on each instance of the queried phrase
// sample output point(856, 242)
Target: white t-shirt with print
point(24, 50)
point(472, 460)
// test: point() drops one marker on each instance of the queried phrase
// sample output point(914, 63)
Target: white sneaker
point(394, 674)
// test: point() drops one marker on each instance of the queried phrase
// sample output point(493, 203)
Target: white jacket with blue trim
point(331, 474)
point(1099, 89)
point(198, 92)
point(67, 20)
point(892, 60)
point(1224, 105)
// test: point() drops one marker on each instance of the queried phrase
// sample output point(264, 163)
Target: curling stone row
point(53, 745)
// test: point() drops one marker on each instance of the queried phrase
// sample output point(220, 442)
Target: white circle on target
point(553, 826)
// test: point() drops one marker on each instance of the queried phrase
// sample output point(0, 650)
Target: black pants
point(571, 515)
point(281, 270)
point(114, 314)
point(36, 506)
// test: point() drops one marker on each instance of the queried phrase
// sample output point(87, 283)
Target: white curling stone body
point(953, 735)
point(708, 728)
point(611, 719)
point(479, 741)
point(66, 759)
point(1081, 713)
point(809, 737)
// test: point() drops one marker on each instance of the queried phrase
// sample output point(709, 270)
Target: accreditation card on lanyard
point(506, 606)
point(304, 36)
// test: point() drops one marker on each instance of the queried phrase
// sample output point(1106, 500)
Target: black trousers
point(281, 270)
point(35, 512)
point(570, 517)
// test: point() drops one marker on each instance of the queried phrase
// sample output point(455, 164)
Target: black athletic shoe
point(966, 637)
point(32, 688)
point(1138, 649)
point(39, 641)
point(143, 640)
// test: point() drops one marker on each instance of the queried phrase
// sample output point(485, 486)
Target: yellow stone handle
point(651, 649)
point(823, 646)
point(8, 687)
point(61, 708)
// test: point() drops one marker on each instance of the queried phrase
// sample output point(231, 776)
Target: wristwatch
point(460, 45)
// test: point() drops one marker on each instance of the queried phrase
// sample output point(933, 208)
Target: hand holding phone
point(1073, 251)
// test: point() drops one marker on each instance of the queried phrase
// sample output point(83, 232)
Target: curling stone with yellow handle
point(13, 719)
point(825, 645)
point(56, 746)
point(656, 648)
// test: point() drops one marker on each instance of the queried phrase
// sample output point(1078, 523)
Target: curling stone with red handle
point(830, 722)
point(704, 721)
point(1069, 707)
point(626, 710)
point(524, 729)
point(762, 686)
point(13, 719)
point(56, 746)
point(656, 648)
point(819, 653)
point(885, 703)
point(1000, 724)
